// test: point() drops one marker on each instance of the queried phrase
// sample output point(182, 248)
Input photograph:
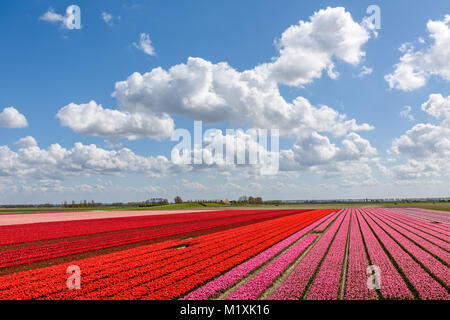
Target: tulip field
point(323, 254)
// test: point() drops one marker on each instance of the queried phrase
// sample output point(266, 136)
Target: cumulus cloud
point(318, 153)
point(427, 145)
point(58, 163)
point(201, 90)
point(51, 16)
point(417, 66)
point(308, 48)
point(107, 18)
point(11, 118)
point(145, 44)
point(26, 142)
point(216, 92)
point(426, 140)
point(92, 119)
point(365, 71)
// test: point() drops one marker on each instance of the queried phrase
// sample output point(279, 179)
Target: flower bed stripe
point(326, 283)
point(233, 276)
point(295, 284)
point(392, 286)
point(255, 286)
point(50, 251)
point(434, 266)
point(356, 278)
point(49, 283)
point(425, 286)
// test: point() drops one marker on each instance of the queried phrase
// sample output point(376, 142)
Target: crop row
point(402, 252)
point(154, 271)
point(294, 286)
point(54, 230)
point(236, 274)
point(440, 219)
point(50, 251)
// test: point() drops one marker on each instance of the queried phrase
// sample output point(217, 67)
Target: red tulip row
point(50, 251)
point(162, 270)
point(199, 273)
point(189, 274)
point(53, 230)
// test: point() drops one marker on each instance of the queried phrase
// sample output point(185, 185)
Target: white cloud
point(26, 142)
point(52, 16)
point(438, 107)
point(427, 145)
point(308, 48)
point(107, 18)
point(416, 67)
point(11, 118)
point(92, 119)
point(426, 140)
point(201, 90)
point(365, 71)
point(216, 92)
point(406, 113)
point(145, 44)
point(56, 18)
point(316, 153)
point(58, 163)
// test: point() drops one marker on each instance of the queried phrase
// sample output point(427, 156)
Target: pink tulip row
point(444, 216)
point(255, 286)
point(435, 246)
point(421, 225)
point(323, 226)
point(356, 277)
point(426, 286)
point(295, 284)
point(427, 217)
point(236, 274)
point(391, 283)
point(326, 284)
point(427, 260)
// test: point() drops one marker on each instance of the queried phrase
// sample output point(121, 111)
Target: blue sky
point(45, 67)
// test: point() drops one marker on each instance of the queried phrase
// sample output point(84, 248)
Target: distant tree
point(251, 200)
point(178, 199)
point(258, 200)
point(73, 203)
point(243, 199)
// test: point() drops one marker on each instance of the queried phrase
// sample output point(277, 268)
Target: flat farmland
point(271, 254)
